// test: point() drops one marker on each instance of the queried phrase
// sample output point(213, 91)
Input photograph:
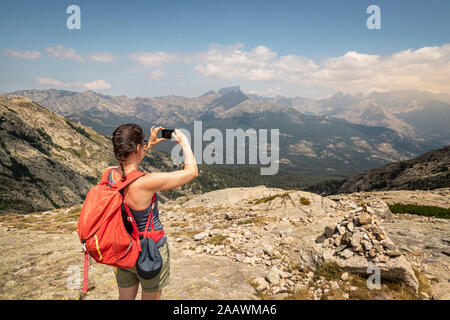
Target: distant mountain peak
point(226, 90)
point(208, 93)
point(229, 99)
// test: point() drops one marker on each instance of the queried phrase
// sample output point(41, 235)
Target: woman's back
point(140, 215)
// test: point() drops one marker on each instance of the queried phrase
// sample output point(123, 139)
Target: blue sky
point(151, 48)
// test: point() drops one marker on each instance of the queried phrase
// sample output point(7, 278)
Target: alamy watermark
point(74, 20)
point(374, 281)
point(249, 144)
point(374, 20)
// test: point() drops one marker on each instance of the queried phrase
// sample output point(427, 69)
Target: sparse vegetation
point(62, 222)
point(328, 270)
point(215, 240)
point(270, 198)
point(389, 290)
point(305, 201)
point(424, 283)
point(78, 129)
point(427, 211)
point(180, 224)
point(256, 220)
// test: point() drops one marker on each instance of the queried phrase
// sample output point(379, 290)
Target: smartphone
point(166, 133)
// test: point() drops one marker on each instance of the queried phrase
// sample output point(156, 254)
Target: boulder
point(363, 219)
point(356, 241)
point(395, 268)
point(273, 276)
point(346, 254)
point(201, 236)
point(329, 232)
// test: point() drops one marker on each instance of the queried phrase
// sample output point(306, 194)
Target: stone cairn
point(359, 233)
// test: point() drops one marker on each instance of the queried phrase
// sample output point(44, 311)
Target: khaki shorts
point(127, 278)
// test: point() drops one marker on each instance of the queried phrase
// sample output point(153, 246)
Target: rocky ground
point(250, 243)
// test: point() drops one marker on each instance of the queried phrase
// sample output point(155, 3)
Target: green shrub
point(427, 211)
point(80, 130)
point(305, 201)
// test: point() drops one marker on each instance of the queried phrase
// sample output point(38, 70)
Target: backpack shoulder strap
point(131, 177)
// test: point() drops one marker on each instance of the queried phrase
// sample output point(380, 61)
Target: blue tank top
point(141, 216)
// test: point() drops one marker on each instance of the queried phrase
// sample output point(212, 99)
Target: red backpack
point(101, 229)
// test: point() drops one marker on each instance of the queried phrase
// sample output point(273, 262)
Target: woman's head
point(128, 143)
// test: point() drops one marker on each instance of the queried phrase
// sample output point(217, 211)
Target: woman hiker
point(129, 150)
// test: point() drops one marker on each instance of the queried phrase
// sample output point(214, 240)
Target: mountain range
point(421, 115)
point(335, 137)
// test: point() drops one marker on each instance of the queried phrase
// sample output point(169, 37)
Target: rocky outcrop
point(290, 202)
point(261, 227)
point(358, 242)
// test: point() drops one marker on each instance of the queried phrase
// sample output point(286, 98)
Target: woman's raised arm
point(159, 181)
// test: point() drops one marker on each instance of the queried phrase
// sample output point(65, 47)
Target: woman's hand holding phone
point(154, 137)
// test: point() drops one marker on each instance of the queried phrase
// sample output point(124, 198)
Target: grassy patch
point(270, 198)
point(200, 210)
point(427, 211)
point(180, 224)
point(305, 201)
point(223, 225)
point(216, 240)
point(424, 283)
point(187, 232)
point(392, 290)
point(328, 270)
point(259, 221)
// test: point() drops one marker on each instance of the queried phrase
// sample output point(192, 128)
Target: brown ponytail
point(125, 140)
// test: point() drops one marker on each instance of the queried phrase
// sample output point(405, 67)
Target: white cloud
point(23, 54)
point(105, 57)
point(156, 74)
point(259, 64)
point(62, 52)
point(97, 85)
point(426, 68)
point(152, 59)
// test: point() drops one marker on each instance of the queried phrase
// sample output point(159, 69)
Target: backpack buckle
point(83, 245)
point(130, 219)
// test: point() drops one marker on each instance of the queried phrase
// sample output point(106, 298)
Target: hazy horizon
point(2, 92)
